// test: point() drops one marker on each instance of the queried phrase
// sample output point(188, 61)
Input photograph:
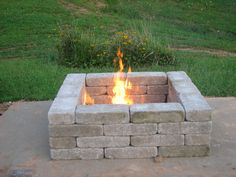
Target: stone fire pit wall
point(174, 119)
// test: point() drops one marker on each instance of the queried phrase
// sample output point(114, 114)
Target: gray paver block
point(157, 112)
point(103, 141)
point(96, 90)
point(62, 111)
point(197, 110)
point(102, 114)
point(157, 140)
point(74, 79)
point(99, 79)
point(184, 151)
point(77, 153)
point(197, 139)
point(178, 76)
point(131, 152)
point(70, 90)
point(130, 129)
point(147, 78)
point(137, 99)
point(196, 127)
point(75, 130)
point(62, 142)
point(169, 128)
point(157, 89)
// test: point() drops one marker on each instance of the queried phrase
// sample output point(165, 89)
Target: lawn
point(30, 32)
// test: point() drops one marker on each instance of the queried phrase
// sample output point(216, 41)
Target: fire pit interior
point(156, 114)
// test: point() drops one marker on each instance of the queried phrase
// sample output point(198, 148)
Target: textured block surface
point(103, 141)
point(62, 142)
point(157, 140)
point(196, 127)
point(62, 110)
point(102, 114)
point(130, 129)
point(147, 78)
point(99, 79)
point(96, 91)
point(157, 112)
point(184, 151)
point(75, 130)
point(169, 128)
point(130, 152)
point(197, 139)
point(77, 153)
point(157, 89)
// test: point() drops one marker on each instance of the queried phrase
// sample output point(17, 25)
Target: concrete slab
point(24, 148)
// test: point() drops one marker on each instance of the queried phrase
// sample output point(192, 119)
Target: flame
point(121, 85)
point(88, 100)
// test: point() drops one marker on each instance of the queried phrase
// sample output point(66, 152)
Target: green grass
point(34, 79)
point(29, 29)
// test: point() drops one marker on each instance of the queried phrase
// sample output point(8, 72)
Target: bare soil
point(216, 52)
point(4, 107)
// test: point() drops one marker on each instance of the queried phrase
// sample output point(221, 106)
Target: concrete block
point(185, 88)
point(102, 99)
point(96, 91)
point(131, 152)
point(130, 129)
point(62, 142)
point(150, 140)
point(197, 139)
point(102, 114)
point(103, 79)
point(134, 90)
point(196, 127)
point(171, 140)
point(99, 79)
point(62, 111)
point(178, 76)
point(75, 130)
point(196, 107)
point(147, 78)
point(157, 140)
point(157, 89)
point(169, 128)
point(103, 141)
point(157, 112)
point(138, 99)
point(184, 151)
point(77, 154)
point(74, 79)
point(70, 90)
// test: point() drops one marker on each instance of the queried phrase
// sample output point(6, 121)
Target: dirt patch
point(221, 53)
point(4, 107)
point(100, 4)
point(77, 10)
point(73, 8)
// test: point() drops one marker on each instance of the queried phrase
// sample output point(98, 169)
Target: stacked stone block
point(147, 87)
point(177, 126)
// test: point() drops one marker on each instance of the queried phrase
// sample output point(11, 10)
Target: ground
point(24, 149)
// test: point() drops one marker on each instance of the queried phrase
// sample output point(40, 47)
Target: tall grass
point(80, 49)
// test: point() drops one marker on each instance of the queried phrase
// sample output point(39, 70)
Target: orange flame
point(120, 84)
point(88, 100)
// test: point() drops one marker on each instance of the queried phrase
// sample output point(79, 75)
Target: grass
point(33, 79)
point(29, 34)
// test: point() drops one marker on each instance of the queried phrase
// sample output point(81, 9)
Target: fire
point(88, 100)
point(121, 85)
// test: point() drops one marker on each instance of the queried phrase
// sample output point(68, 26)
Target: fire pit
point(156, 114)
